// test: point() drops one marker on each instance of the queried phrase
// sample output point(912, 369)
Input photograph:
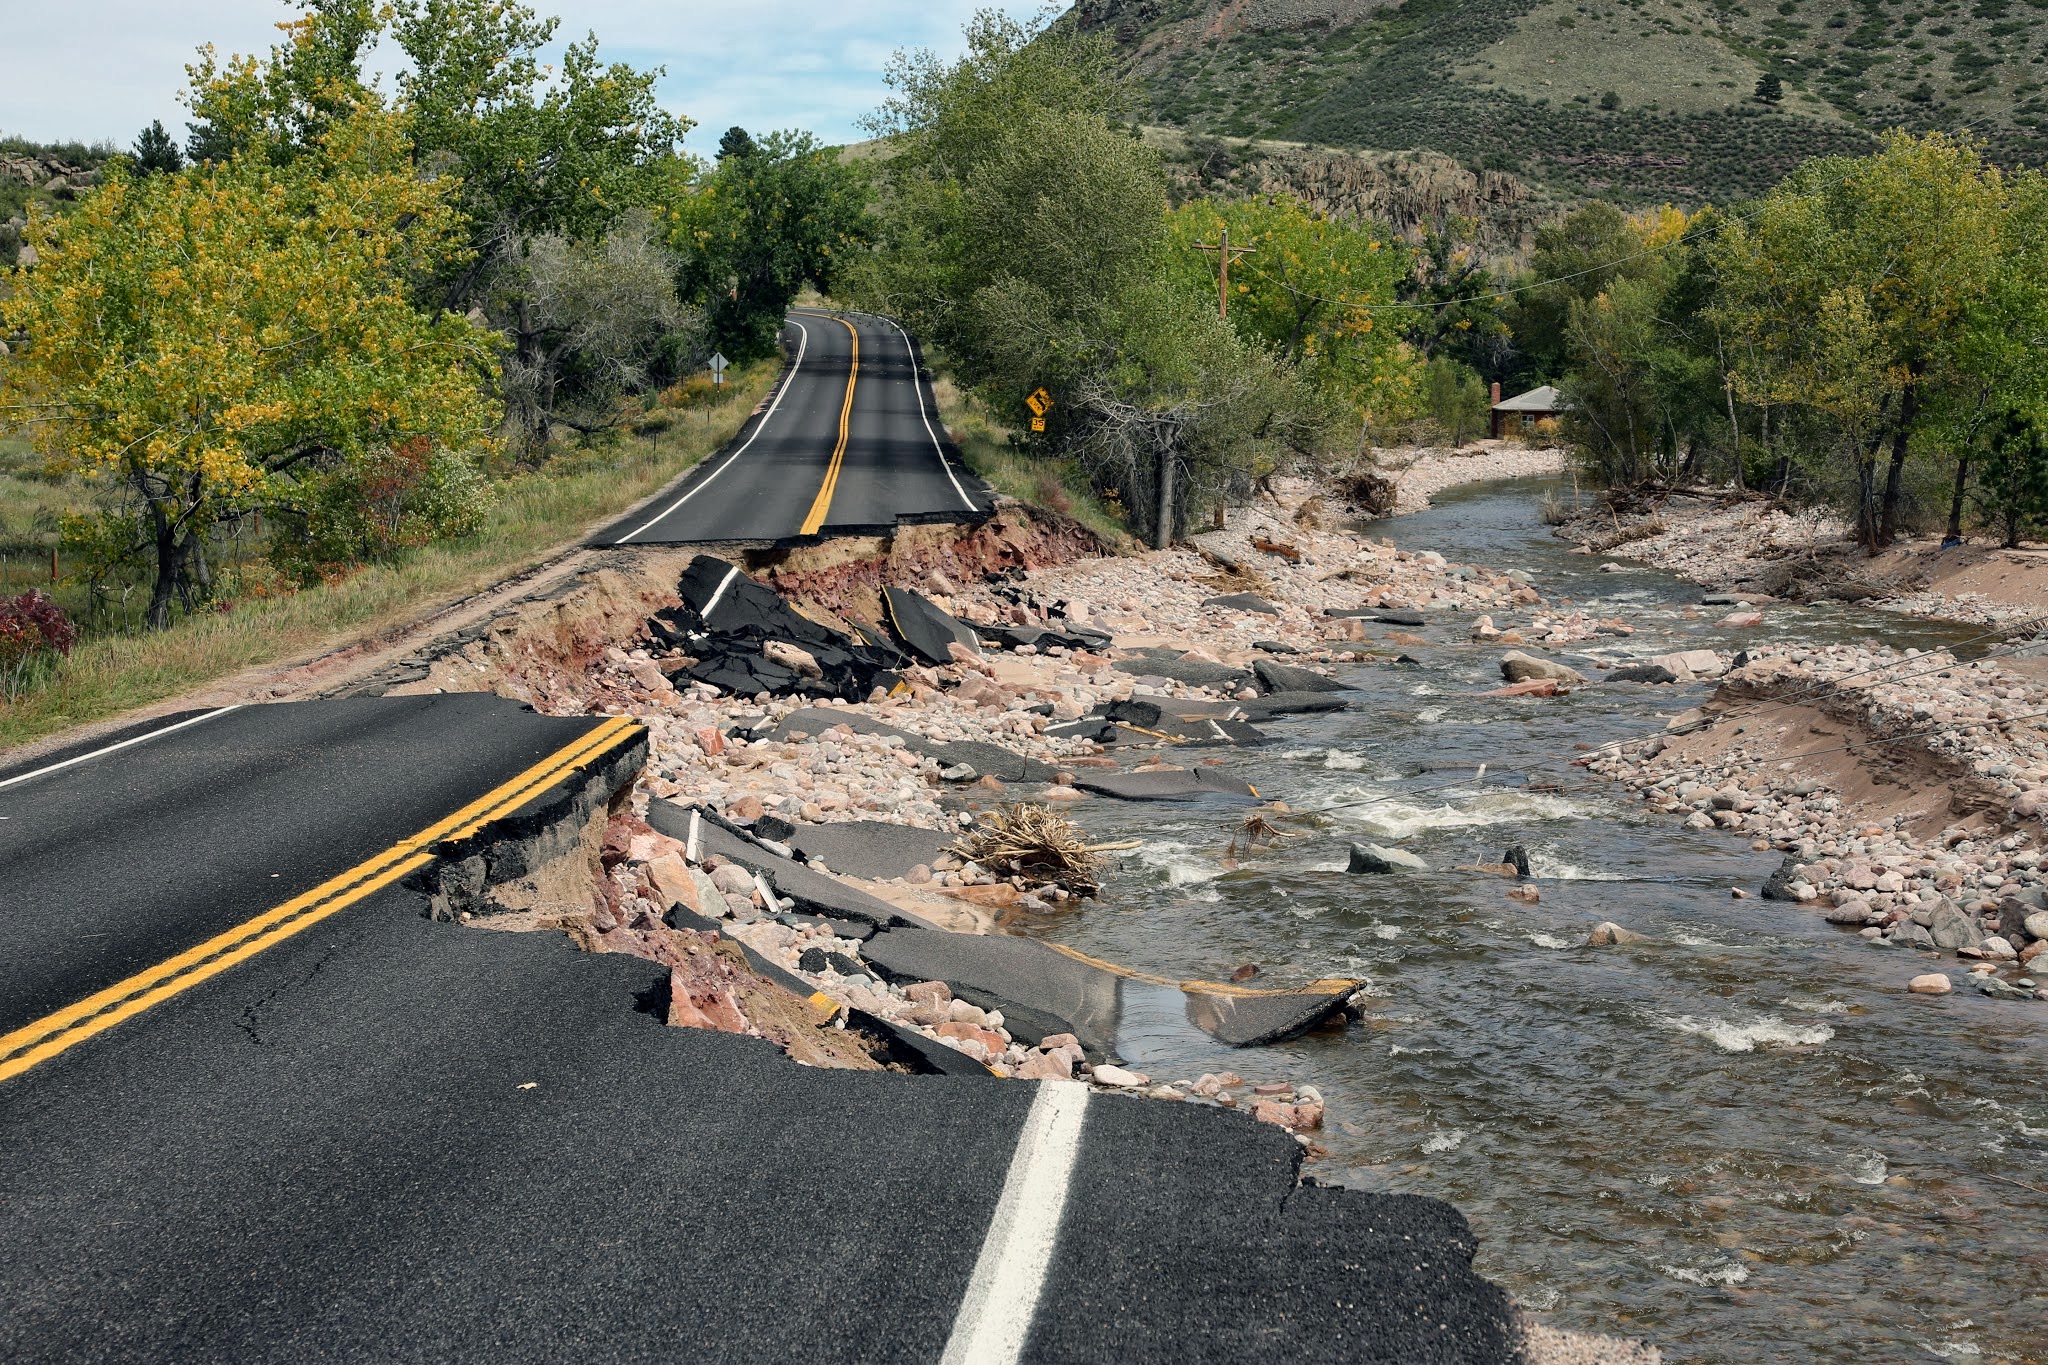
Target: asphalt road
point(383, 1137)
point(850, 443)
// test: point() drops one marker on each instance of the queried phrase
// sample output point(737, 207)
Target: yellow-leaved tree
point(242, 336)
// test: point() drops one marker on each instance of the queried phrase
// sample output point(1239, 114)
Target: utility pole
point(1225, 254)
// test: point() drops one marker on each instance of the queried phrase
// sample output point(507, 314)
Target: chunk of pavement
point(1165, 784)
point(1517, 857)
point(1036, 985)
point(1274, 647)
point(1040, 638)
point(924, 628)
point(746, 639)
point(1039, 990)
point(1243, 601)
point(1373, 858)
point(1516, 666)
point(809, 891)
point(904, 1047)
point(870, 849)
point(1291, 703)
point(1391, 616)
point(1274, 678)
point(1642, 673)
point(1607, 933)
point(1192, 672)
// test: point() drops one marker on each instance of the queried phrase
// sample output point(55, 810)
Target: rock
point(929, 993)
point(1855, 912)
point(1059, 791)
point(1692, 663)
point(2036, 924)
point(1047, 1066)
point(710, 740)
point(1535, 687)
point(1296, 1118)
point(744, 810)
point(1933, 983)
point(1116, 1076)
point(1274, 677)
point(672, 879)
point(1997, 949)
point(1607, 933)
point(1517, 667)
point(1483, 629)
point(1516, 857)
point(1243, 601)
point(1950, 928)
point(1526, 895)
point(733, 879)
point(1642, 673)
point(798, 661)
point(1738, 620)
point(961, 1032)
point(1778, 886)
point(962, 654)
point(1373, 858)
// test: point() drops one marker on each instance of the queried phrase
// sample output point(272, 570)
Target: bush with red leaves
point(34, 632)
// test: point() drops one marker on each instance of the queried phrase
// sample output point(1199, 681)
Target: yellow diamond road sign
point(1039, 402)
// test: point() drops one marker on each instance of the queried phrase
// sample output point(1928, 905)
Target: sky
point(86, 70)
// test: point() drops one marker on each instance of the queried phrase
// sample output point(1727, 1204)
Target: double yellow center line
point(821, 504)
point(53, 1033)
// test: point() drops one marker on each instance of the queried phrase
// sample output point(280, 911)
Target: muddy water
point(1741, 1141)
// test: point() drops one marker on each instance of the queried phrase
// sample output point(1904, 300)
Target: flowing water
point(1740, 1141)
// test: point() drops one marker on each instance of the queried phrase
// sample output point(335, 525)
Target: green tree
point(1455, 398)
point(1770, 88)
point(235, 336)
point(1850, 294)
point(2015, 477)
point(1456, 305)
point(1308, 292)
point(755, 229)
point(155, 152)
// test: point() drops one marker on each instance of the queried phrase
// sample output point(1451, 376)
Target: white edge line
point(918, 384)
point(723, 584)
point(788, 382)
point(1009, 1275)
point(111, 748)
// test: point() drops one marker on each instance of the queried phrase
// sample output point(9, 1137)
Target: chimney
point(1496, 393)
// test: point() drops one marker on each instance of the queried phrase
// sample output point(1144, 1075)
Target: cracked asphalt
point(392, 1138)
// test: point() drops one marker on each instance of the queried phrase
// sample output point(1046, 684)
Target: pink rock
point(929, 993)
point(671, 878)
point(963, 1032)
point(1934, 983)
point(1047, 1066)
point(961, 654)
point(1741, 619)
point(1293, 1117)
point(744, 809)
point(710, 740)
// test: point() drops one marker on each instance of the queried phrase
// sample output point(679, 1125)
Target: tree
point(1309, 293)
point(1455, 398)
point(735, 141)
point(606, 323)
point(753, 231)
point(1611, 100)
point(1457, 308)
point(155, 152)
point(1850, 294)
point(227, 338)
point(1770, 88)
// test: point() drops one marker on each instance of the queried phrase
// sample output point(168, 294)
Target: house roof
point(1544, 399)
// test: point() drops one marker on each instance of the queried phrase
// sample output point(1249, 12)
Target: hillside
point(1635, 100)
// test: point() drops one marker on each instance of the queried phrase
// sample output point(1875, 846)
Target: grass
point(1059, 486)
point(533, 514)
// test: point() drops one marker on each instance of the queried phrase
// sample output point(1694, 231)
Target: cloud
point(93, 69)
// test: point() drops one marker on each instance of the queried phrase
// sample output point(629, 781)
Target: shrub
point(34, 634)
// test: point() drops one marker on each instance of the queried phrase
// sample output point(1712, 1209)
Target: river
point(1741, 1140)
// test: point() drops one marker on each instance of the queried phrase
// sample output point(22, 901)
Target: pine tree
point(1769, 88)
point(156, 153)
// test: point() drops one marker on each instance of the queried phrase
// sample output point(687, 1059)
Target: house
point(1533, 406)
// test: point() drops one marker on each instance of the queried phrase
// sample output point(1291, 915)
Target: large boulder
point(1286, 678)
point(1778, 886)
point(1950, 928)
point(1642, 673)
point(1688, 664)
point(1371, 858)
point(1516, 666)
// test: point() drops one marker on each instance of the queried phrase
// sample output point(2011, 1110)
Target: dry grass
point(533, 515)
point(1033, 842)
point(1057, 485)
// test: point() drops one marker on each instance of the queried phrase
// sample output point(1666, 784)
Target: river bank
point(1759, 548)
point(1735, 1111)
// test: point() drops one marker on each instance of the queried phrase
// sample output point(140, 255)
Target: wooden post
point(1162, 534)
point(1225, 254)
point(53, 564)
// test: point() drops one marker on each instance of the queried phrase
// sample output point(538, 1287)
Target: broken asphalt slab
point(1044, 989)
point(1192, 672)
point(1165, 784)
point(928, 630)
point(811, 892)
point(872, 850)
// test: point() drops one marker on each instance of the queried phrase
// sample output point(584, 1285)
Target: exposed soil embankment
point(1905, 788)
point(1763, 550)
